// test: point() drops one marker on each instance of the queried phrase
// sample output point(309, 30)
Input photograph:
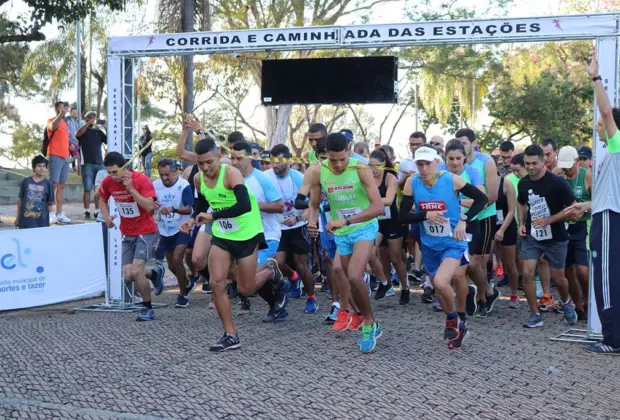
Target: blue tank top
point(440, 196)
point(479, 163)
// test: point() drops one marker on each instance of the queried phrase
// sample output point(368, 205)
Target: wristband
point(595, 78)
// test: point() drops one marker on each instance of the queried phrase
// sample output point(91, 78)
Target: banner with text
point(115, 106)
point(50, 265)
point(365, 36)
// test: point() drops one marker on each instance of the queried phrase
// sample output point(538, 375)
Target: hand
point(522, 231)
point(290, 221)
point(334, 225)
point(126, 180)
point(460, 233)
point(193, 123)
point(436, 217)
point(540, 222)
point(165, 210)
point(304, 215)
point(157, 204)
point(204, 218)
point(109, 221)
point(499, 235)
point(592, 65)
point(313, 229)
point(187, 225)
point(576, 211)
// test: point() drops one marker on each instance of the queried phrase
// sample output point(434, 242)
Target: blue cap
point(347, 133)
point(256, 146)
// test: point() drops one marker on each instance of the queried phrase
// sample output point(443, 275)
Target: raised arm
point(602, 100)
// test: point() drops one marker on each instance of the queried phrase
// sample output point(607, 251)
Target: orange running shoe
point(499, 271)
point(356, 322)
point(545, 303)
point(343, 321)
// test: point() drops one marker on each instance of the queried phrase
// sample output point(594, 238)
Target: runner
point(295, 241)
point(355, 204)
point(443, 235)
point(174, 202)
point(506, 150)
point(577, 263)
point(270, 205)
point(542, 197)
point(135, 199)
point(481, 244)
point(315, 132)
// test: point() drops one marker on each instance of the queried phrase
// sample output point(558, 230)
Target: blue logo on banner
point(10, 261)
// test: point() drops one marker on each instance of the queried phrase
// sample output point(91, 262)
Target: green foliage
point(25, 144)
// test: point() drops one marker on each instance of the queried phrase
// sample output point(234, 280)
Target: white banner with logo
point(115, 106)
point(50, 265)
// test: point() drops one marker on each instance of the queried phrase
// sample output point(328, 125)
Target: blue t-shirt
point(360, 158)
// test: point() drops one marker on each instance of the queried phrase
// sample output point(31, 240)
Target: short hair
point(321, 146)
point(361, 147)
point(507, 146)
point(38, 159)
point(281, 150)
point(337, 142)
point(58, 103)
point(518, 160)
point(205, 146)
point(418, 135)
point(455, 144)
point(167, 162)
point(113, 159)
point(235, 137)
point(317, 128)
point(466, 132)
point(534, 150)
point(387, 149)
point(547, 142)
point(243, 145)
point(73, 109)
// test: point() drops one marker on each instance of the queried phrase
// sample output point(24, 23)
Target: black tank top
point(383, 192)
point(502, 201)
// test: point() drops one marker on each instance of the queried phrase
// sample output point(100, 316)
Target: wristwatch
point(348, 220)
point(174, 210)
point(595, 78)
point(201, 131)
point(464, 218)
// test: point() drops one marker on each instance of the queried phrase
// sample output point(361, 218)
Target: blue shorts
point(89, 173)
point(269, 252)
point(169, 243)
point(345, 243)
point(328, 244)
point(414, 232)
point(432, 259)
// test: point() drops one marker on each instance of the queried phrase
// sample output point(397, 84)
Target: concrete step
point(8, 200)
point(9, 191)
point(6, 175)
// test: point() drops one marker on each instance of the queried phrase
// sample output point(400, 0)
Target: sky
point(32, 111)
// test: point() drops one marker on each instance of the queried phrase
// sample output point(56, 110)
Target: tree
point(25, 143)
point(11, 62)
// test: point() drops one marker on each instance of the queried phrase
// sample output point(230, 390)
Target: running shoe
point(491, 300)
point(503, 281)
point(557, 307)
point(471, 306)
point(539, 289)
point(514, 302)
point(206, 288)
point(534, 321)
point(545, 303)
point(332, 316)
point(451, 332)
point(482, 309)
point(499, 271)
point(410, 262)
point(600, 348)
point(191, 284)
point(311, 305)
point(281, 285)
point(356, 322)
point(53, 218)
point(146, 314)
point(570, 316)
point(273, 316)
point(395, 279)
point(367, 281)
point(295, 288)
point(212, 303)
point(342, 321)
point(404, 297)
point(137, 299)
point(369, 338)
point(227, 342)
point(86, 215)
point(382, 291)
point(374, 283)
point(437, 305)
point(157, 278)
point(427, 296)
point(416, 276)
point(182, 302)
point(463, 335)
point(61, 218)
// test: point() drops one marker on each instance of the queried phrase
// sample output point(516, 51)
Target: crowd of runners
point(358, 225)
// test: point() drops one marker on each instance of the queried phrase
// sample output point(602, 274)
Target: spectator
point(36, 198)
point(74, 124)
point(377, 143)
point(264, 164)
point(361, 148)
point(147, 154)
point(438, 143)
point(236, 137)
point(90, 137)
point(58, 152)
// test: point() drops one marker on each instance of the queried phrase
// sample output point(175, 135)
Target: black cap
point(585, 152)
point(265, 155)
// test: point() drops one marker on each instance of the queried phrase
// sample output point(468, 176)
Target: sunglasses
point(435, 143)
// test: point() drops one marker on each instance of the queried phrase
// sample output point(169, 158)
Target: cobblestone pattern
point(105, 365)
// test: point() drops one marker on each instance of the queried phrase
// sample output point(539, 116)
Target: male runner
point(542, 197)
point(135, 199)
point(443, 235)
point(355, 204)
point(506, 150)
point(585, 157)
point(481, 247)
point(315, 132)
point(174, 201)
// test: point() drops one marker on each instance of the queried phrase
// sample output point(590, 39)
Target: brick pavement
point(106, 365)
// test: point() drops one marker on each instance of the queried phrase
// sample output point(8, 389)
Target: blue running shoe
point(157, 277)
point(281, 314)
point(295, 289)
point(182, 302)
point(191, 284)
point(311, 306)
point(369, 338)
point(534, 321)
point(332, 316)
point(570, 316)
point(146, 314)
point(395, 279)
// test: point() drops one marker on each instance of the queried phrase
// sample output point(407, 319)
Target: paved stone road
point(106, 365)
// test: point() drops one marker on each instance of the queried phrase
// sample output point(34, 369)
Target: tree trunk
point(100, 86)
point(188, 72)
point(83, 81)
point(277, 124)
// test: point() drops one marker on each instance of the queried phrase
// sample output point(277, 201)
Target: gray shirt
point(74, 126)
point(606, 189)
point(35, 198)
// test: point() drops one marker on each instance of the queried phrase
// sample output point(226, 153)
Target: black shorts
point(577, 252)
point(510, 236)
point(295, 240)
point(240, 249)
point(481, 244)
point(473, 228)
point(390, 230)
point(193, 233)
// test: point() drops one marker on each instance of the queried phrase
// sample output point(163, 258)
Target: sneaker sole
point(144, 320)
point(451, 345)
point(537, 325)
point(181, 306)
point(468, 302)
point(205, 292)
point(490, 308)
point(233, 347)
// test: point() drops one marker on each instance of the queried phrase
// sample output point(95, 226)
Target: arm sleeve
point(480, 200)
point(405, 215)
point(187, 197)
point(201, 205)
point(242, 205)
point(301, 202)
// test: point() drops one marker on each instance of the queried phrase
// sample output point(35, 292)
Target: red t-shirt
point(134, 219)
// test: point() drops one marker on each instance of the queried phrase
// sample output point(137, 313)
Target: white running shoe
point(53, 218)
point(61, 218)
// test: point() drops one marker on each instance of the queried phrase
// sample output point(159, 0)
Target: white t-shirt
point(178, 195)
point(265, 192)
point(288, 188)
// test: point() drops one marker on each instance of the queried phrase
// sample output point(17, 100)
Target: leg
point(574, 288)
point(545, 276)
point(356, 265)
point(461, 288)
point(200, 254)
point(529, 287)
point(442, 281)
point(301, 265)
point(508, 258)
point(395, 247)
point(86, 199)
point(219, 264)
point(342, 282)
point(60, 196)
point(178, 268)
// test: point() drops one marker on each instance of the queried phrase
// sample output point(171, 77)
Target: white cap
point(426, 153)
point(567, 157)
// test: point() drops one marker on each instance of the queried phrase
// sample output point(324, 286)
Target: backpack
point(46, 141)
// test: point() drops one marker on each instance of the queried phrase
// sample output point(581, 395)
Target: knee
point(134, 272)
point(244, 290)
point(528, 272)
point(198, 262)
point(177, 261)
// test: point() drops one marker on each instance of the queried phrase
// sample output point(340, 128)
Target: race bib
point(541, 234)
point(387, 213)
point(227, 225)
point(128, 210)
point(170, 217)
point(500, 217)
point(285, 215)
point(351, 211)
point(437, 229)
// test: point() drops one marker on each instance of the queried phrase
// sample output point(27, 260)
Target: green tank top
point(240, 228)
point(515, 182)
point(312, 156)
point(478, 163)
point(346, 195)
point(467, 179)
point(578, 185)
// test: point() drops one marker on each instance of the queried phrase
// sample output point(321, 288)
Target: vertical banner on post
point(115, 144)
point(128, 91)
